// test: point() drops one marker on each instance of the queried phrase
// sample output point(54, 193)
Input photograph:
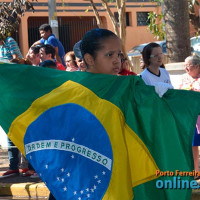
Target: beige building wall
point(135, 34)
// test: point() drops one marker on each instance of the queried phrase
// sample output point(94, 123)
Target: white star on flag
point(72, 156)
point(75, 192)
point(88, 195)
point(73, 139)
point(68, 174)
point(99, 181)
point(62, 170)
point(87, 189)
point(92, 190)
point(103, 173)
point(95, 187)
point(79, 198)
point(81, 191)
point(96, 177)
point(62, 179)
point(46, 166)
point(65, 188)
point(58, 178)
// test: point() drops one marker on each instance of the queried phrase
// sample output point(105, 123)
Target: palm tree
point(177, 29)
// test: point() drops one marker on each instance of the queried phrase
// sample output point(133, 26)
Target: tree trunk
point(111, 16)
point(119, 28)
point(96, 13)
point(121, 7)
point(177, 29)
point(122, 21)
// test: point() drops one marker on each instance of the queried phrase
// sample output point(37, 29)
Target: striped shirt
point(9, 48)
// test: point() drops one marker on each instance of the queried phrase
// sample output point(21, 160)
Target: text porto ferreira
point(177, 179)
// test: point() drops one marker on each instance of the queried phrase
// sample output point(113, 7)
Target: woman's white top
point(152, 79)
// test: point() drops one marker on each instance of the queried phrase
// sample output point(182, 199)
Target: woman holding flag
point(191, 81)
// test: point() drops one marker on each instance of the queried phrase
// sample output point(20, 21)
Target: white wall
point(175, 71)
point(3, 139)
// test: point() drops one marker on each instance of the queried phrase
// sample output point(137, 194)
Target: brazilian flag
point(96, 136)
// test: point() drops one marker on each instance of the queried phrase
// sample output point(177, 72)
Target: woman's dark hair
point(162, 66)
point(92, 41)
point(146, 53)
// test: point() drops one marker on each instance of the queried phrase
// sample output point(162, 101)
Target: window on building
point(127, 18)
point(142, 18)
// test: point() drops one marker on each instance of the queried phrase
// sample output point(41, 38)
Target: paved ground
point(25, 188)
point(19, 186)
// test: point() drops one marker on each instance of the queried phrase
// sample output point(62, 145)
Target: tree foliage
point(157, 25)
point(9, 16)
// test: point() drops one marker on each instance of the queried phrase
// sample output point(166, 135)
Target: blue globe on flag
point(71, 151)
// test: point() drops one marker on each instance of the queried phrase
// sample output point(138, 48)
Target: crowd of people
point(99, 51)
point(49, 52)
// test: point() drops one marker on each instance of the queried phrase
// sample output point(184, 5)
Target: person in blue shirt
point(47, 37)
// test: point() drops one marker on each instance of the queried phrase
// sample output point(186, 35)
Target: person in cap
point(79, 59)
